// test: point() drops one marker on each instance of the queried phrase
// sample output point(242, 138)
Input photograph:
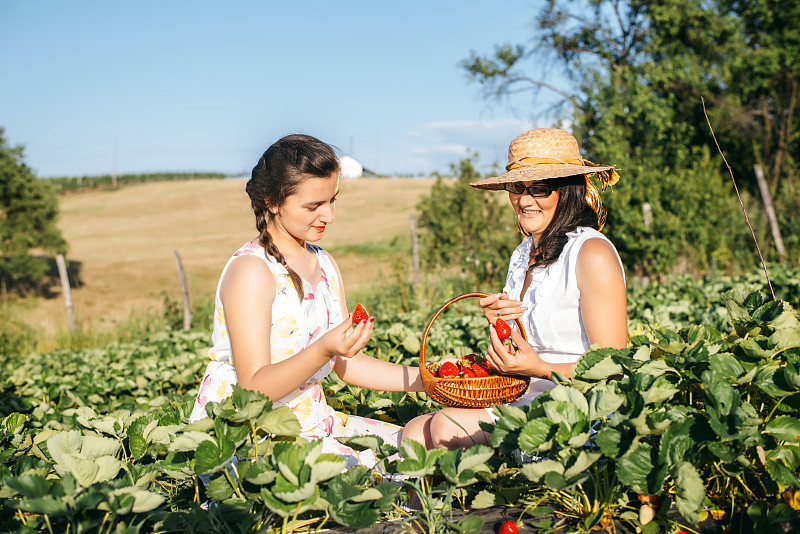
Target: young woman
point(565, 280)
point(280, 319)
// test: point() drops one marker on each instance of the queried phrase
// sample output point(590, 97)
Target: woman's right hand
point(345, 341)
point(499, 306)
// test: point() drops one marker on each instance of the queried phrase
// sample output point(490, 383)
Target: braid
point(269, 247)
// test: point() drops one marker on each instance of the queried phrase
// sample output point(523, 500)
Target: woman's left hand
point(522, 360)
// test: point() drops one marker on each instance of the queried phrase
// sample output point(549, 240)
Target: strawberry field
point(694, 427)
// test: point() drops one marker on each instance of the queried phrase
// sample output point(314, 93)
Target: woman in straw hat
point(565, 281)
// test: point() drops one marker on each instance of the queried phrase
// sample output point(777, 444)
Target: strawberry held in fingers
point(360, 314)
point(503, 332)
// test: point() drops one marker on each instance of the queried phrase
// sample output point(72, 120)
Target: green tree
point(467, 228)
point(28, 212)
point(637, 70)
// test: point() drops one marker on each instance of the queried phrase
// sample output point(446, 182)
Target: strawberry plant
point(699, 416)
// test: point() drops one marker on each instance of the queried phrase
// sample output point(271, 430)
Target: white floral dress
point(295, 326)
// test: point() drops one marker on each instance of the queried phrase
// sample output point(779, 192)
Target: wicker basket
point(479, 392)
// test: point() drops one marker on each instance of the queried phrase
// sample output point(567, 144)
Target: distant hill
point(122, 240)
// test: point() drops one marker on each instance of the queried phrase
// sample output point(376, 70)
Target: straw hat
point(546, 153)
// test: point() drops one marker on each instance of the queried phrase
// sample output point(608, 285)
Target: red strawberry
point(648, 499)
point(471, 357)
point(468, 373)
point(479, 370)
point(503, 332)
point(509, 527)
point(448, 370)
point(360, 314)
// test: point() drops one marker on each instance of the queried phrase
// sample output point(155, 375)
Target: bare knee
point(418, 429)
point(454, 429)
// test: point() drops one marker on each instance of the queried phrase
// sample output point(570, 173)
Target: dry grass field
point(124, 241)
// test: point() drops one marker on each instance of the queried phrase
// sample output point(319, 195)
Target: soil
point(494, 517)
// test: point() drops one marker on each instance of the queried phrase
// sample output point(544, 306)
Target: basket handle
point(440, 310)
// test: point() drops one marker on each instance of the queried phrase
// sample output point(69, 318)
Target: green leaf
point(566, 413)
point(326, 467)
point(280, 421)
point(142, 500)
point(470, 524)
point(460, 466)
point(29, 485)
point(285, 509)
point(597, 364)
point(290, 459)
point(570, 396)
point(684, 438)
point(188, 441)
point(210, 457)
point(660, 390)
point(417, 461)
point(486, 499)
point(219, 489)
point(536, 470)
point(689, 489)
point(612, 441)
point(603, 400)
point(633, 470)
point(43, 505)
point(288, 492)
point(782, 474)
point(581, 463)
point(784, 428)
point(474, 457)
point(767, 377)
point(261, 472)
point(138, 445)
point(88, 458)
point(537, 435)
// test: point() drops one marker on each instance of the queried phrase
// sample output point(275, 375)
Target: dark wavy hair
point(572, 211)
point(280, 170)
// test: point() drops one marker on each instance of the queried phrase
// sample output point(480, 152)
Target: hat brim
point(535, 173)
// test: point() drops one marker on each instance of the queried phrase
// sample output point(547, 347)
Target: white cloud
point(440, 144)
point(447, 149)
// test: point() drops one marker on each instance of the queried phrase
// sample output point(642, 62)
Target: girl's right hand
point(499, 306)
point(345, 341)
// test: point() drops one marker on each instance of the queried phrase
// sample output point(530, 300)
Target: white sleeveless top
point(552, 319)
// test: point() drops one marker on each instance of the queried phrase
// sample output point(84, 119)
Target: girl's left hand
point(520, 361)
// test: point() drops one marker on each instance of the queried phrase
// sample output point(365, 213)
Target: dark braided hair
point(572, 211)
point(278, 173)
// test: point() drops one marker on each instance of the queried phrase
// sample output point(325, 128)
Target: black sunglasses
point(536, 190)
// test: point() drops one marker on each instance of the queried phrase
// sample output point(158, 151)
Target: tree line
point(646, 78)
point(643, 75)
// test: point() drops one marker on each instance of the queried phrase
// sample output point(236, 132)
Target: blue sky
point(207, 86)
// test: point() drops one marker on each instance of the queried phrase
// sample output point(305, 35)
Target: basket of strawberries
point(470, 382)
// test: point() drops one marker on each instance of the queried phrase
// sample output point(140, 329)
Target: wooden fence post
point(62, 274)
point(414, 250)
point(187, 309)
point(770, 209)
